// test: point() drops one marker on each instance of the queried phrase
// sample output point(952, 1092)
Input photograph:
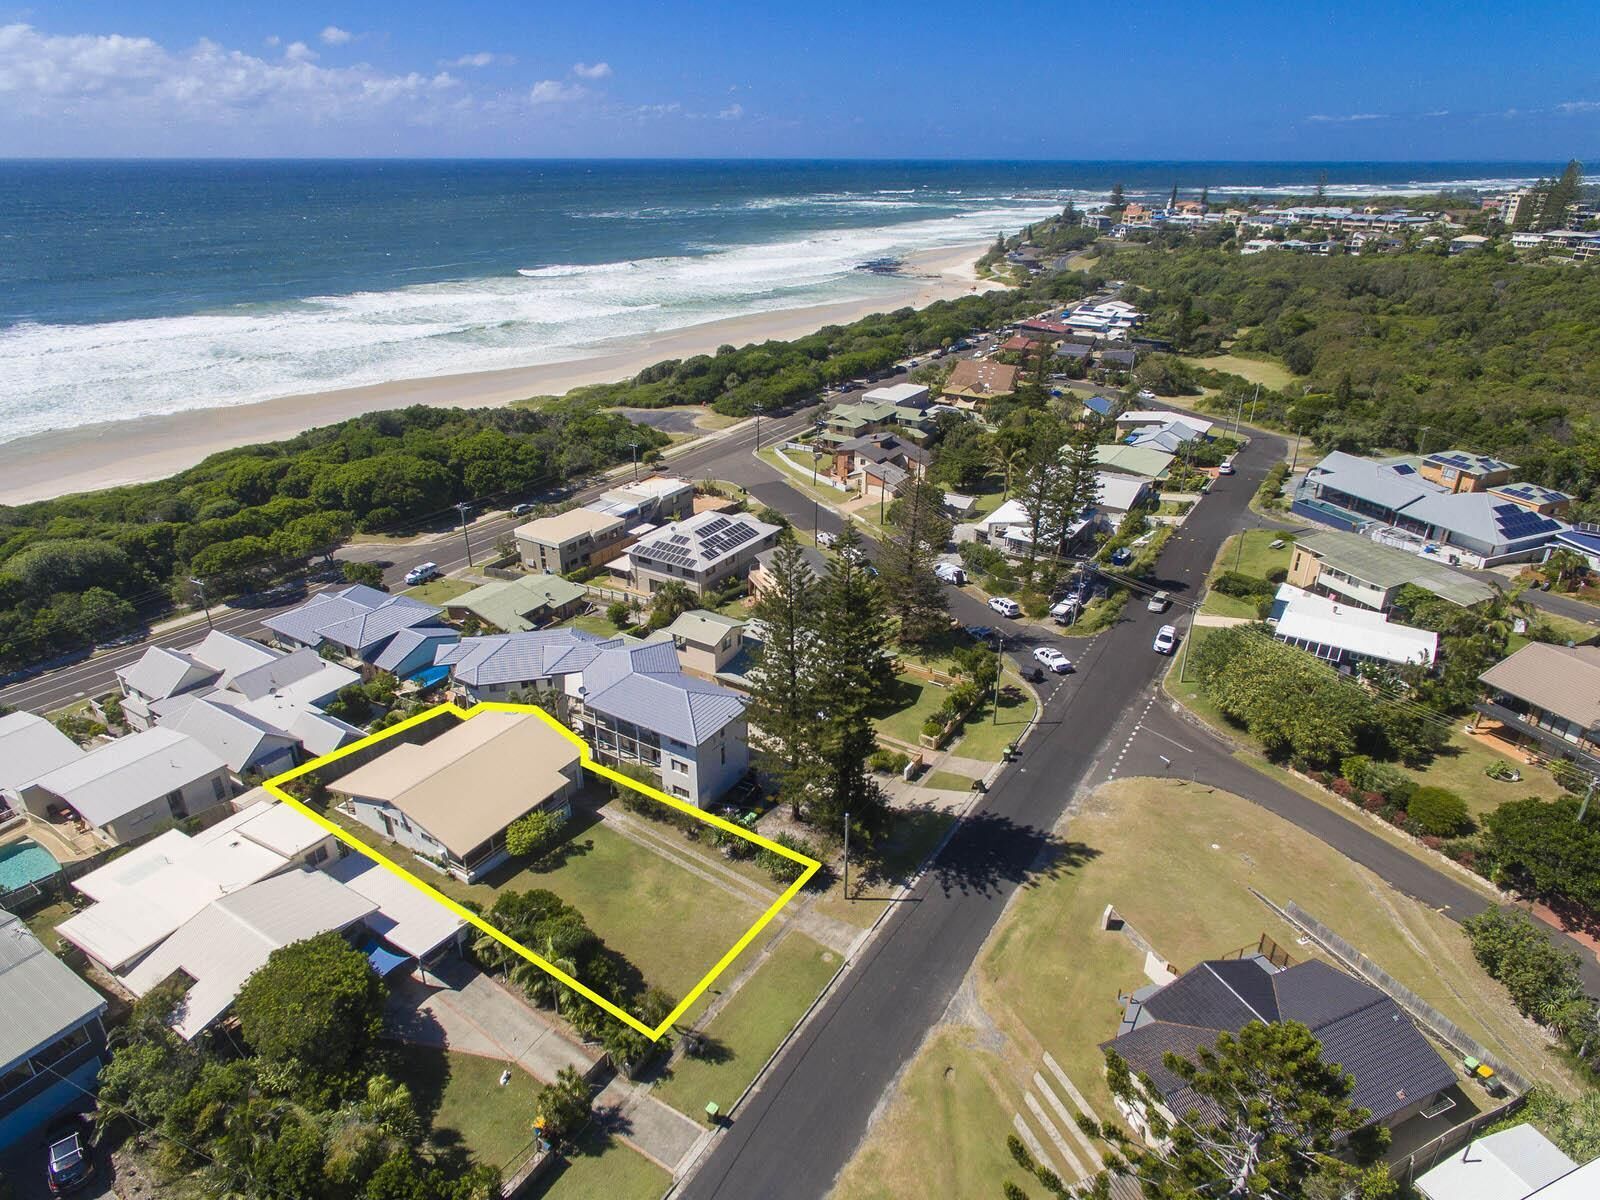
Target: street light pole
point(461, 507)
point(1295, 461)
point(1422, 439)
point(999, 668)
point(634, 446)
point(199, 586)
point(847, 854)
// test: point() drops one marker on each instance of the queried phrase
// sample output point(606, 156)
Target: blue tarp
point(384, 960)
point(430, 676)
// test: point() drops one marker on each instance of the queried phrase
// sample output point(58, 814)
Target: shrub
point(620, 614)
point(1373, 802)
point(532, 835)
point(1242, 586)
point(1438, 811)
point(79, 727)
point(782, 869)
point(887, 762)
point(1343, 788)
point(932, 727)
point(112, 707)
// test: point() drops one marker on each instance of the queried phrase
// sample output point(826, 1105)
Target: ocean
point(135, 288)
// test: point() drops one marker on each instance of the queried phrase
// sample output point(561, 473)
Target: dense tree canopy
point(1482, 351)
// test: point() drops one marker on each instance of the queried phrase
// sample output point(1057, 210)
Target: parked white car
point(421, 573)
point(1160, 602)
point(1166, 640)
point(824, 539)
point(1052, 659)
point(1006, 607)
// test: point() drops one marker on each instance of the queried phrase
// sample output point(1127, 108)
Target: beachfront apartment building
point(600, 530)
point(570, 541)
point(451, 799)
point(52, 1039)
point(134, 786)
point(703, 553)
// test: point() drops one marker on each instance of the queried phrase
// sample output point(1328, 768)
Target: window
point(681, 767)
point(724, 753)
point(681, 792)
point(218, 788)
point(175, 806)
point(317, 856)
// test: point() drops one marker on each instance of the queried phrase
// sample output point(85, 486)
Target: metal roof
point(230, 939)
point(642, 684)
point(1134, 460)
point(1387, 567)
point(507, 604)
point(1509, 1165)
point(1564, 680)
point(126, 774)
point(519, 657)
point(357, 617)
point(407, 641)
point(700, 543)
point(407, 918)
point(42, 998)
point(1484, 518)
point(160, 673)
point(30, 747)
point(1303, 616)
point(237, 737)
point(703, 627)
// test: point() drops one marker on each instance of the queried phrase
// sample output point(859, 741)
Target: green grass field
point(1251, 553)
point(986, 734)
point(602, 1166)
point(947, 781)
point(439, 591)
point(1460, 769)
point(744, 1034)
point(1176, 860)
point(668, 922)
point(915, 699)
point(460, 1096)
point(1266, 372)
point(596, 623)
point(912, 836)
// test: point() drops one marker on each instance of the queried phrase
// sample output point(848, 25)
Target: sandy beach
point(121, 452)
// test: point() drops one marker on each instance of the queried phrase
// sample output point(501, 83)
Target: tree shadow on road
point(991, 851)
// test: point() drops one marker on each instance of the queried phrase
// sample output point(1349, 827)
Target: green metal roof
point(508, 605)
point(1386, 567)
point(1134, 460)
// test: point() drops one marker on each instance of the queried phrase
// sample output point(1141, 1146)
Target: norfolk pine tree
point(783, 701)
point(1278, 1113)
point(915, 595)
point(1041, 488)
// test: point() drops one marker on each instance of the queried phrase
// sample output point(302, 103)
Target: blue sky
point(1464, 81)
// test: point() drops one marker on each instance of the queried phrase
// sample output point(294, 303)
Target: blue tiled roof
point(1100, 405)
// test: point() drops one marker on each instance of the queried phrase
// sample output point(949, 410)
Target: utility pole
point(1238, 415)
point(461, 507)
point(1422, 440)
point(1295, 462)
point(1587, 796)
point(634, 446)
point(847, 854)
point(1253, 401)
point(999, 669)
point(199, 586)
point(757, 413)
point(1183, 664)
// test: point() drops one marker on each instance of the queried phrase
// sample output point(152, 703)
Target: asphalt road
point(797, 1131)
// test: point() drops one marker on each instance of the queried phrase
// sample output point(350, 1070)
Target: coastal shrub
point(1439, 811)
point(1515, 951)
point(887, 762)
point(932, 727)
point(1242, 586)
point(620, 614)
point(532, 835)
point(780, 867)
point(79, 727)
point(368, 574)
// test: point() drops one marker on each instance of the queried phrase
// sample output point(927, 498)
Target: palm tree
point(388, 1106)
point(542, 987)
point(671, 601)
point(1007, 459)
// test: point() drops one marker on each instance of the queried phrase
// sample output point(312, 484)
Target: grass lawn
point(1219, 605)
point(947, 781)
point(42, 923)
point(915, 699)
point(460, 1097)
point(712, 421)
point(1460, 769)
point(986, 503)
point(1256, 556)
point(1267, 373)
point(439, 591)
point(669, 923)
point(1566, 629)
point(603, 1166)
point(743, 1035)
point(1176, 860)
point(985, 735)
point(596, 623)
point(625, 892)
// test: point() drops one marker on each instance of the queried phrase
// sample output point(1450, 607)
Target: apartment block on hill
point(703, 552)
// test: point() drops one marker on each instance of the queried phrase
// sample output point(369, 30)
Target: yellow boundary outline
point(812, 866)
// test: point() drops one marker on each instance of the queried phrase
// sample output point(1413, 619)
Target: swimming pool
point(25, 862)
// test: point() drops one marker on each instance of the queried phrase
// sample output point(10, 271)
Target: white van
point(949, 572)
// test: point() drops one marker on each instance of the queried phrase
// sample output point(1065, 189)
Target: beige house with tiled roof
point(974, 381)
point(1549, 695)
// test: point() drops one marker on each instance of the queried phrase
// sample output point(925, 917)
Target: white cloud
point(136, 82)
point(1349, 117)
point(481, 59)
point(274, 40)
point(1579, 106)
point(554, 91)
point(332, 35)
point(599, 70)
point(732, 113)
